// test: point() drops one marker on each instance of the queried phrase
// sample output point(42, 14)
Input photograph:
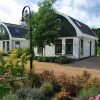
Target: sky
point(86, 11)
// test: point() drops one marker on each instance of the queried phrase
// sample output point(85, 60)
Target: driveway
point(93, 62)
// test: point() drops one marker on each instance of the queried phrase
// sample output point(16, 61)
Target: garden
point(16, 83)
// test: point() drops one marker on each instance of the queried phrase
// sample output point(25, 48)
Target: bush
point(63, 95)
point(48, 76)
point(98, 50)
point(10, 97)
point(67, 84)
point(33, 94)
point(17, 85)
point(86, 93)
point(81, 80)
point(4, 89)
point(47, 88)
point(60, 59)
point(36, 80)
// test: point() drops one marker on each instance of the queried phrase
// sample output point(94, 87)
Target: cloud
point(79, 9)
point(11, 11)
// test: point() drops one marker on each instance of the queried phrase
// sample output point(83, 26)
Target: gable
point(67, 30)
point(16, 31)
point(3, 33)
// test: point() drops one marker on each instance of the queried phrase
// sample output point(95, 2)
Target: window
point(81, 49)
point(58, 46)
point(69, 46)
point(7, 45)
point(3, 46)
point(17, 44)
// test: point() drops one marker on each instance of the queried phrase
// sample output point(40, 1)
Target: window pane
point(69, 46)
point(58, 46)
point(81, 49)
point(17, 44)
point(7, 45)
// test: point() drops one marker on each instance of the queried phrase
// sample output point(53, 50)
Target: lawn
point(68, 70)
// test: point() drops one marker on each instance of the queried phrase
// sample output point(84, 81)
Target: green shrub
point(4, 89)
point(49, 76)
point(17, 85)
point(47, 88)
point(10, 97)
point(36, 80)
point(31, 94)
point(60, 59)
point(98, 50)
point(63, 60)
point(86, 93)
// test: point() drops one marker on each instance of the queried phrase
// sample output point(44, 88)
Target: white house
point(12, 36)
point(76, 40)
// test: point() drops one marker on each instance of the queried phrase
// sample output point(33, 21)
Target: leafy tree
point(46, 24)
point(97, 31)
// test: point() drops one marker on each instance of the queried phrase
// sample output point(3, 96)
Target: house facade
point(76, 40)
point(12, 36)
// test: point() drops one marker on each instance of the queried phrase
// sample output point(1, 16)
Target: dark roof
point(83, 28)
point(67, 30)
point(17, 31)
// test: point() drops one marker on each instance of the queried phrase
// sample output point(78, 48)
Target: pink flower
point(2, 79)
point(98, 97)
point(90, 98)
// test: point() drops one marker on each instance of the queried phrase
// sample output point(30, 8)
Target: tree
point(46, 24)
point(97, 31)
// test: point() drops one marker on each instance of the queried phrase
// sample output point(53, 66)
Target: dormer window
point(3, 31)
point(17, 30)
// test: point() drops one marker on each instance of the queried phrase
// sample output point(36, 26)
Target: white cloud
point(78, 10)
point(11, 11)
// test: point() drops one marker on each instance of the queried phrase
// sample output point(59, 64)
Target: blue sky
point(86, 11)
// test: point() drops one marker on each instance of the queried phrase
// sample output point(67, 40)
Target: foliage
point(45, 24)
point(98, 50)
point(36, 80)
point(4, 88)
point(86, 93)
point(67, 84)
point(10, 97)
point(97, 31)
point(81, 80)
point(62, 95)
point(31, 94)
point(49, 76)
point(15, 64)
point(47, 88)
point(17, 85)
point(60, 59)
point(3, 68)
